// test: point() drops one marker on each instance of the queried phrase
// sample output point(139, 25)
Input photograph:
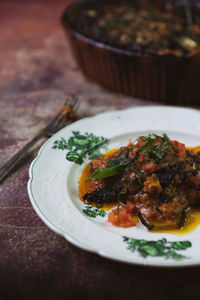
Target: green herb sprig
point(138, 173)
point(107, 172)
point(81, 146)
point(122, 192)
point(156, 152)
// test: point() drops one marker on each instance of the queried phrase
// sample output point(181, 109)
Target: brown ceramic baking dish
point(167, 79)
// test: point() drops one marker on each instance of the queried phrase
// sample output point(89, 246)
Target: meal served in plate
point(154, 178)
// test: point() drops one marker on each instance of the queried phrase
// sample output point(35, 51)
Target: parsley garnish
point(156, 152)
point(123, 192)
point(138, 173)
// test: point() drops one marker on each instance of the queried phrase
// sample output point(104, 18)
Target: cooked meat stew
point(155, 178)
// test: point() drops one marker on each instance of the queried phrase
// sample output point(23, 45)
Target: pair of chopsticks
point(65, 116)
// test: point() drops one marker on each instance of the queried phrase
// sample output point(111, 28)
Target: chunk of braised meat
point(167, 174)
point(111, 187)
point(97, 163)
point(165, 199)
point(105, 193)
point(192, 189)
point(152, 186)
point(180, 190)
point(102, 162)
point(153, 214)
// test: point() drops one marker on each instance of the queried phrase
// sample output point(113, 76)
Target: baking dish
point(165, 79)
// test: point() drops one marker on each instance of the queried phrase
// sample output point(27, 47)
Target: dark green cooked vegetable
point(107, 172)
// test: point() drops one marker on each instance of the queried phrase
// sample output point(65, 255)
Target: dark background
point(36, 70)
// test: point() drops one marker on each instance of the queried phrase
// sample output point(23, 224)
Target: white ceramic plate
point(53, 189)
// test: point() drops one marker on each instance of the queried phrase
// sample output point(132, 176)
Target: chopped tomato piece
point(98, 162)
point(129, 207)
point(192, 152)
point(140, 142)
point(135, 150)
point(113, 219)
point(143, 156)
point(149, 167)
point(122, 216)
point(180, 148)
point(121, 211)
point(126, 221)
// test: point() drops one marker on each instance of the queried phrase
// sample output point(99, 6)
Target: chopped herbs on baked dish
point(143, 26)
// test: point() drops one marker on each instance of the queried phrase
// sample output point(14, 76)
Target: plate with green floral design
point(55, 172)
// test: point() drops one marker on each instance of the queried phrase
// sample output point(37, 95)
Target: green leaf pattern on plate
point(79, 146)
point(93, 212)
point(157, 248)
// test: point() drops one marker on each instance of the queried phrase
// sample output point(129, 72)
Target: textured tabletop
point(36, 71)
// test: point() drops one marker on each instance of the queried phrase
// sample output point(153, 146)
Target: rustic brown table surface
point(36, 71)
